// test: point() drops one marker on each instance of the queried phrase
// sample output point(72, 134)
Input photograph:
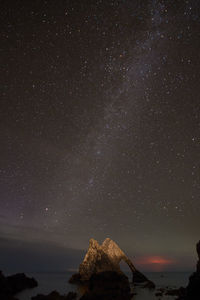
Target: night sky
point(100, 130)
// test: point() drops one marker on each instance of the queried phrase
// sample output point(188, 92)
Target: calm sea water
point(59, 281)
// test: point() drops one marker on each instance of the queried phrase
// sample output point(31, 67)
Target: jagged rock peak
point(93, 243)
point(103, 258)
point(111, 248)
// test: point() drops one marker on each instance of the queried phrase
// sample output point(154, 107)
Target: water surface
point(59, 281)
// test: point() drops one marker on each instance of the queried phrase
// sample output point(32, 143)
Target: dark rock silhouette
point(106, 257)
point(108, 285)
point(20, 282)
point(149, 285)
point(173, 292)
point(198, 253)
point(75, 279)
point(192, 291)
point(55, 296)
point(11, 285)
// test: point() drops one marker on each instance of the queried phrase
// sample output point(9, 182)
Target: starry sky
point(100, 130)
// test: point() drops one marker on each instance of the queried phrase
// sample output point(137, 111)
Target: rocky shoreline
point(101, 278)
point(14, 284)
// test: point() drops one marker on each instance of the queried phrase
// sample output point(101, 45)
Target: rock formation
point(198, 253)
point(192, 291)
point(106, 257)
point(108, 285)
point(11, 285)
point(55, 296)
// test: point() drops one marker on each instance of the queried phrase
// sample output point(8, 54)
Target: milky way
point(100, 125)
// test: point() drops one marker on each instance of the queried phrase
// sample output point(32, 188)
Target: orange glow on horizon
point(156, 263)
point(159, 260)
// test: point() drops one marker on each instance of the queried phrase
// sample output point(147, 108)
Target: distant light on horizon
point(160, 260)
point(155, 263)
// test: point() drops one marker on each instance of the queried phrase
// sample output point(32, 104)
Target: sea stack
point(107, 257)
